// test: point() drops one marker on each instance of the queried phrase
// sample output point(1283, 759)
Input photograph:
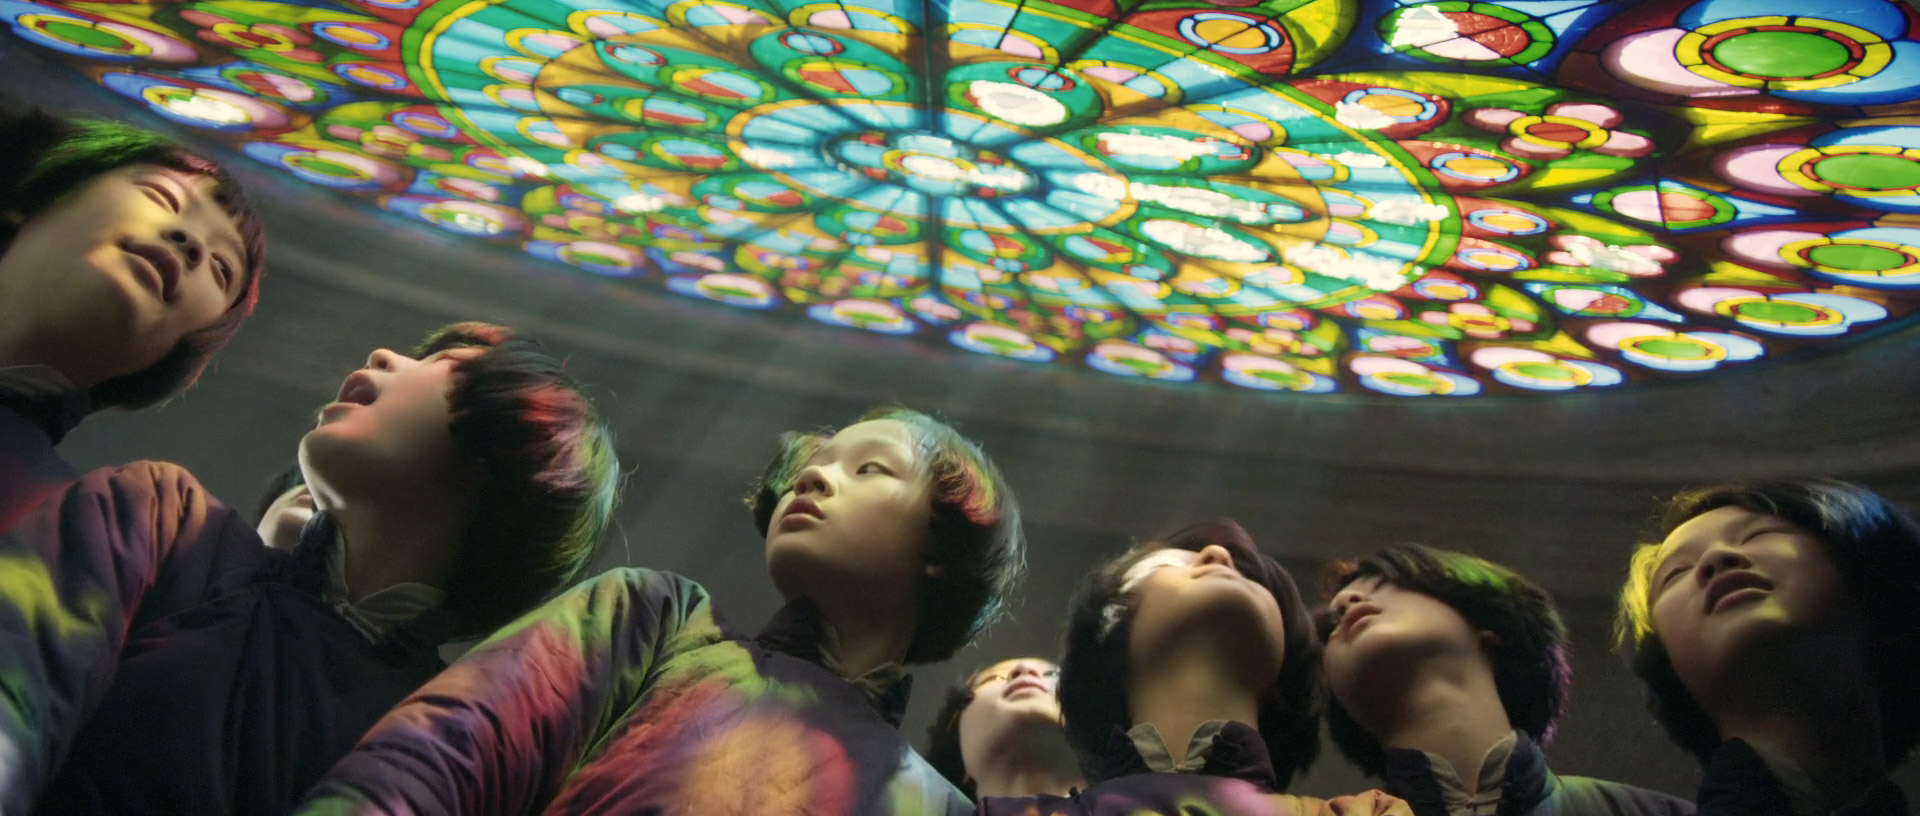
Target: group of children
point(1774, 626)
point(159, 653)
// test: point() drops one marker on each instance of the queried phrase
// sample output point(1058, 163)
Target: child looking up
point(893, 540)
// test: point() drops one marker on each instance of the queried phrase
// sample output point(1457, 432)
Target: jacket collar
point(1225, 748)
point(1525, 783)
point(44, 398)
point(381, 613)
point(797, 631)
point(311, 567)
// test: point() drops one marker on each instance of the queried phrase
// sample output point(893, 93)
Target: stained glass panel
point(1410, 198)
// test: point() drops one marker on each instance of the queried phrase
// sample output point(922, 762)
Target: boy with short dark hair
point(1191, 684)
point(1449, 673)
point(161, 658)
point(894, 541)
point(1774, 626)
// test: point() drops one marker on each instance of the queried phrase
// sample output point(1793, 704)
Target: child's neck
point(1458, 719)
point(1033, 760)
point(1830, 728)
point(863, 641)
point(74, 361)
point(1839, 755)
point(1812, 700)
point(1180, 695)
point(387, 546)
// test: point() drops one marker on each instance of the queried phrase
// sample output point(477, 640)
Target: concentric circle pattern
point(1409, 198)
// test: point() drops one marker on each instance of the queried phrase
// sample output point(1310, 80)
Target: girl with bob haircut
point(1191, 683)
point(893, 540)
point(194, 669)
point(125, 263)
point(1448, 676)
point(999, 734)
point(1774, 627)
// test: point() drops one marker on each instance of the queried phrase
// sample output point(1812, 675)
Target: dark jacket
point(1236, 779)
point(1737, 782)
point(239, 704)
point(1528, 788)
point(172, 660)
point(627, 696)
point(34, 415)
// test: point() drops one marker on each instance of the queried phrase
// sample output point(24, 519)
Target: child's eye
point(874, 467)
point(224, 270)
point(1671, 573)
point(166, 196)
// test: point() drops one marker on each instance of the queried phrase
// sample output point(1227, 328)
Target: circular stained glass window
point(1317, 196)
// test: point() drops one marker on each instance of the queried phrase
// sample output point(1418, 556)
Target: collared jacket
point(160, 658)
point(1230, 775)
point(1737, 781)
point(627, 696)
point(1527, 787)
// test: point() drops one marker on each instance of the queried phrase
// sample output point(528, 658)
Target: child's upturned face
point(1009, 695)
point(389, 429)
point(129, 263)
point(1730, 583)
point(1180, 595)
point(855, 519)
point(1384, 633)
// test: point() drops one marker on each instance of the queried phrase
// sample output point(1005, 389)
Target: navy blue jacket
point(1736, 782)
point(159, 658)
point(1236, 779)
point(1529, 788)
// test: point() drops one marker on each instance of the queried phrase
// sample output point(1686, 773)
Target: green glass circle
point(1292, 380)
point(1674, 348)
point(1552, 372)
point(1869, 171)
point(1857, 258)
point(325, 167)
point(1778, 311)
point(89, 36)
point(1412, 380)
point(1781, 54)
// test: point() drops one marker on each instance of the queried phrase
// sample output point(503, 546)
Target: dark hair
point(276, 487)
point(47, 157)
point(943, 736)
point(1873, 544)
point(550, 476)
point(973, 535)
point(1528, 655)
point(1095, 674)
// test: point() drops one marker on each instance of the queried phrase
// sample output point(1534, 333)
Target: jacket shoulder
point(1621, 798)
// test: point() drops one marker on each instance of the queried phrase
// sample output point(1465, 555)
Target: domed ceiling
point(1420, 198)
